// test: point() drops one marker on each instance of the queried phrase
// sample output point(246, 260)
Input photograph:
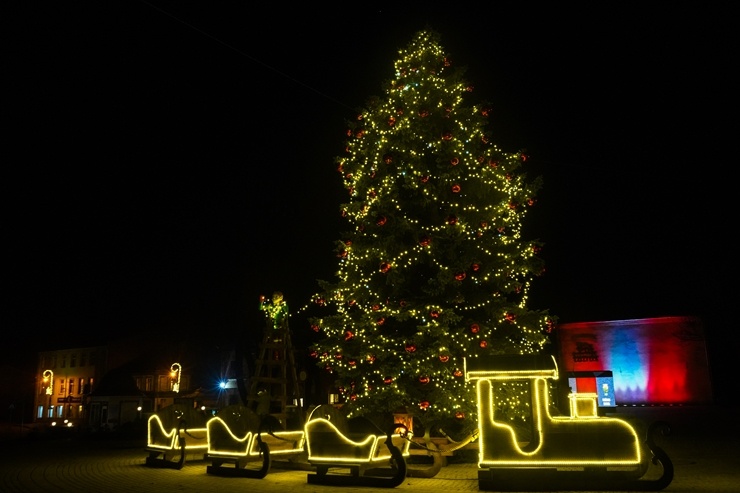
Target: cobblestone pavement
point(704, 447)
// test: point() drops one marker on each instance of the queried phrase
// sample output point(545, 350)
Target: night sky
point(167, 164)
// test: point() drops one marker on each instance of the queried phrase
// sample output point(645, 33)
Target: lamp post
point(48, 379)
point(175, 371)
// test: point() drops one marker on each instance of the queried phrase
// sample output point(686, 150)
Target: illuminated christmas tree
point(433, 268)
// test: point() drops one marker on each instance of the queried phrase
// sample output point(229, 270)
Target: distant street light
point(49, 381)
point(175, 371)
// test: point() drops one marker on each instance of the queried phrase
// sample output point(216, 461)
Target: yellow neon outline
point(169, 439)
point(549, 428)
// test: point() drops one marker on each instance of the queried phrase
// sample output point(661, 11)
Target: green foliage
point(433, 268)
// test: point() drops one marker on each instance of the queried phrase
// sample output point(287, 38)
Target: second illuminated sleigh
point(374, 457)
point(241, 443)
point(582, 451)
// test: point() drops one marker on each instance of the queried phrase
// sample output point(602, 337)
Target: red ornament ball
point(423, 379)
point(388, 380)
point(474, 328)
point(424, 405)
point(410, 347)
point(459, 415)
point(483, 344)
point(444, 358)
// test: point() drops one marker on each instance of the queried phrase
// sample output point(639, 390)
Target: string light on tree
point(433, 259)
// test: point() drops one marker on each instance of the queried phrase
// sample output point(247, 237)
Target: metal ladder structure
point(274, 387)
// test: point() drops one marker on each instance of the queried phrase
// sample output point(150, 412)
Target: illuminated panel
point(654, 361)
point(583, 405)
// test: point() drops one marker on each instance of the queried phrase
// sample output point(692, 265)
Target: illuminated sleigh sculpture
point(374, 458)
point(174, 432)
point(238, 436)
point(582, 451)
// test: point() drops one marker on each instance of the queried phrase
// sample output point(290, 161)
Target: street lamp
point(49, 381)
point(175, 371)
point(48, 378)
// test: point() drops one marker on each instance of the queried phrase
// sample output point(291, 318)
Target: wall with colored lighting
point(654, 361)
